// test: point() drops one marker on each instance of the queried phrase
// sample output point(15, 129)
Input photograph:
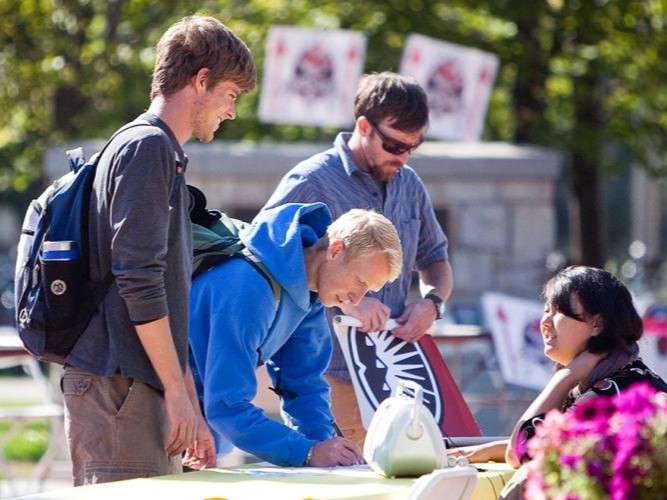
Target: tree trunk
point(590, 228)
point(586, 169)
point(587, 142)
point(68, 102)
point(528, 91)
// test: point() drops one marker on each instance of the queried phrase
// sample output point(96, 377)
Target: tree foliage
point(585, 76)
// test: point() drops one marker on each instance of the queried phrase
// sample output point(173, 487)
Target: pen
point(339, 433)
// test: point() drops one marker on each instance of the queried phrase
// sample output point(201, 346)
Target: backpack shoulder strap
point(261, 267)
point(76, 157)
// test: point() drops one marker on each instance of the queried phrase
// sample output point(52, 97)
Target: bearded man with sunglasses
point(367, 169)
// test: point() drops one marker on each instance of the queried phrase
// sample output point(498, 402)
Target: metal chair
point(12, 355)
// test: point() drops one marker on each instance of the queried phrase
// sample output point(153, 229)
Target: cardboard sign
point(653, 344)
point(515, 326)
point(458, 81)
point(311, 76)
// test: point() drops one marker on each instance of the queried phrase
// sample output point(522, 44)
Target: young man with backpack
point(130, 402)
point(238, 322)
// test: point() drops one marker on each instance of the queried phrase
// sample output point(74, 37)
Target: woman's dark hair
point(600, 293)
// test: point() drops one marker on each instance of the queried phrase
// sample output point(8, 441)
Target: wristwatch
point(306, 462)
point(439, 303)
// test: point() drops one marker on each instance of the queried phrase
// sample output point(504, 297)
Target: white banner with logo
point(311, 76)
point(653, 344)
point(458, 81)
point(515, 326)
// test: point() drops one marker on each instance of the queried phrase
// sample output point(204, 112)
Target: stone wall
point(495, 201)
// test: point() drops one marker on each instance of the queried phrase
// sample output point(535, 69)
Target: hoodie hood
point(277, 237)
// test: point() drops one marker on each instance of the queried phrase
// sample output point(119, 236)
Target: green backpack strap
point(215, 243)
point(219, 242)
point(275, 286)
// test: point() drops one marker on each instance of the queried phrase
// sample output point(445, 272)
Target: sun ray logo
point(381, 360)
point(378, 361)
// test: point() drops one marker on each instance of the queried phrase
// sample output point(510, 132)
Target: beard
point(384, 172)
point(200, 128)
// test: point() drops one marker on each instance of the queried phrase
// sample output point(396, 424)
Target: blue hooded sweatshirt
point(235, 325)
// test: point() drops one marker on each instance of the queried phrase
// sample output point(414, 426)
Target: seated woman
point(590, 329)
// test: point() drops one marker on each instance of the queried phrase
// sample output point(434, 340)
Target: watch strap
point(438, 301)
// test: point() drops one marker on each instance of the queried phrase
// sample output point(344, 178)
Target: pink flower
point(607, 447)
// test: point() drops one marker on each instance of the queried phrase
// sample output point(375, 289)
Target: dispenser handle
point(414, 430)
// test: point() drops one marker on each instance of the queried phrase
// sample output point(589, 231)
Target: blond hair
point(364, 232)
point(197, 42)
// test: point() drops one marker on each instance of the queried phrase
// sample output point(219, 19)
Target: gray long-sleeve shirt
point(140, 230)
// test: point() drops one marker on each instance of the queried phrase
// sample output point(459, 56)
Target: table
point(276, 483)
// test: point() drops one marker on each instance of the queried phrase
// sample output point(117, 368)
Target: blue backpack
point(55, 298)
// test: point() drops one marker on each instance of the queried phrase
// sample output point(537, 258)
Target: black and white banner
point(458, 81)
point(311, 76)
point(378, 360)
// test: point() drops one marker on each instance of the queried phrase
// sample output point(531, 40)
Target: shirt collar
point(343, 150)
point(179, 154)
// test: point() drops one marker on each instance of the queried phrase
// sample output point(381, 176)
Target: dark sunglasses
point(394, 147)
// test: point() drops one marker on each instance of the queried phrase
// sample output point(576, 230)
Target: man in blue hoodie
point(237, 323)
point(368, 169)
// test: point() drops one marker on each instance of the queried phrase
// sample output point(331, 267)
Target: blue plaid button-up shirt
point(332, 177)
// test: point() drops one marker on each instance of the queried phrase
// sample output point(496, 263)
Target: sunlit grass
point(30, 442)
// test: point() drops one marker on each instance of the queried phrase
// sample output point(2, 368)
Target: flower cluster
point(604, 448)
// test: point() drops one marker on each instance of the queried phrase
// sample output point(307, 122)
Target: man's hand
point(372, 313)
point(202, 454)
point(335, 451)
point(415, 320)
point(182, 421)
point(156, 338)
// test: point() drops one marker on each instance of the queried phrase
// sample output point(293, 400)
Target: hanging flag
point(378, 360)
point(515, 326)
point(311, 76)
point(458, 81)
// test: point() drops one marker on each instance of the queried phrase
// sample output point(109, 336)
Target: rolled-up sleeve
point(432, 246)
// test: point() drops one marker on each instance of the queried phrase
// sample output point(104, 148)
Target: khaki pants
point(116, 428)
point(346, 410)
